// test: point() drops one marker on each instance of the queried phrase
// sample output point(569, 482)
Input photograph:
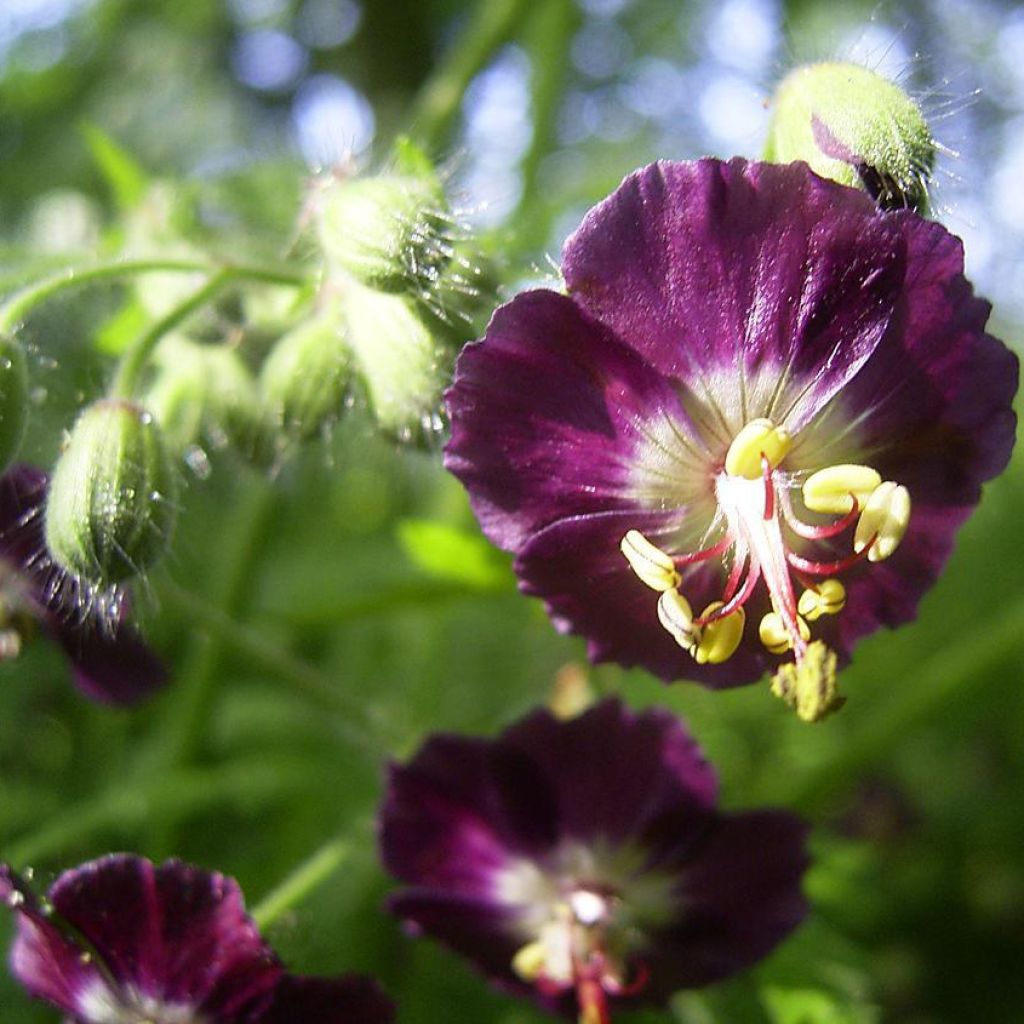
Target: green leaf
point(120, 170)
point(811, 1006)
point(450, 553)
point(121, 329)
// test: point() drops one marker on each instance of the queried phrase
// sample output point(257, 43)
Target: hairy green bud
point(112, 499)
point(404, 365)
point(13, 398)
point(390, 232)
point(852, 125)
point(202, 391)
point(306, 376)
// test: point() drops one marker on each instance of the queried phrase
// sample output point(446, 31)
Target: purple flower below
point(753, 375)
point(583, 861)
point(122, 941)
point(109, 660)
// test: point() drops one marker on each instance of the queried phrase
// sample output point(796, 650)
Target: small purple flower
point(753, 373)
point(109, 660)
point(583, 861)
point(121, 941)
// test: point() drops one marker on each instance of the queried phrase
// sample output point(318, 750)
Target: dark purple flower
point(583, 861)
point(109, 660)
point(121, 941)
point(752, 375)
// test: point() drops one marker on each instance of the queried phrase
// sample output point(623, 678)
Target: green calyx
point(855, 127)
point(404, 365)
point(13, 398)
point(113, 494)
point(305, 378)
point(391, 232)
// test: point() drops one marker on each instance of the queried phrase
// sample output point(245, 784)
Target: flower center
point(575, 949)
point(754, 495)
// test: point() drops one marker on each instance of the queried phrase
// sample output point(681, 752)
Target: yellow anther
point(676, 615)
point(529, 961)
point(775, 636)
point(757, 438)
point(829, 489)
point(885, 517)
point(810, 687)
point(718, 640)
point(828, 599)
point(650, 563)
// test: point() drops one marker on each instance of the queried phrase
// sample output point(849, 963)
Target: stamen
point(809, 686)
point(827, 568)
point(720, 637)
point(883, 522)
point(776, 637)
point(827, 598)
point(802, 529)
point(529, 961)
point(759, 439)
point(702, 556)
point(650, 563)
point(721, 610)
point(676, 615)
point(834, 489)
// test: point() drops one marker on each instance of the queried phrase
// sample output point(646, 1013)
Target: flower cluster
point(752, 377)
point(122, 941)
point(584, 862)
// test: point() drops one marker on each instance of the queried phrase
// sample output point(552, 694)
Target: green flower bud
point(391, 232)
point(202, 392)
point(404, 365)
point(13, 398)
point(305, 378)
point(112, 498)
point(855, 127)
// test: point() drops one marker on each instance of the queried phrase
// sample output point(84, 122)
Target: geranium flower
point(704, 455)
point(121, 941)
point(584, 863)
point(109, 661)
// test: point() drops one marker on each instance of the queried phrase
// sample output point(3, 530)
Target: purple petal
point(481, 931)
point(739, 897)
point(174, 933)
point(45, 960)
point(721, 272)
point(113, 669)
point(547, 412)
point(615, 773)
point(344, 1000)
point(22, 496)
point(455, 815)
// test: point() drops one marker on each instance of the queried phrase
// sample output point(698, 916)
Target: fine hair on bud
point(13, 398)
point(856, 127)
point(112, 501)
point(392, 232)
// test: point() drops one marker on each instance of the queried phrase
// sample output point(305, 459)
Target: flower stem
point(439, 100)
point(134, 359)
point(22, 302)
point(254, 645)
point(309, 875)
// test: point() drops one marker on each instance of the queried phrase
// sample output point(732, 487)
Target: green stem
point(914, 701)
point(439, 100)
point(126, 808)
point(322, 689)
point(21, 303)
point(134, 359)
point(309, 875)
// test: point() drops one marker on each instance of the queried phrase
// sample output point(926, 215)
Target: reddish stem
point(703, 556)
point(802, 529)
point(736, 602)
point(829, 568)
point(769, 490)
